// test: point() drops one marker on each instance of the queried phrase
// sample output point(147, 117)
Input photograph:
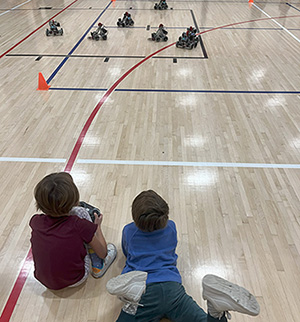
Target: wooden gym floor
point(215, 131)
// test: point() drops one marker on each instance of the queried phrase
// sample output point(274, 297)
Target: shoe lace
point(129, 306)
point(217, 314)
point(227, 315)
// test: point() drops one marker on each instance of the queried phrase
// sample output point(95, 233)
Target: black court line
point(178, 57)
point(203, 28)
point(179, 1)
point(123, 28)
point(52, 8)
point(292, 6)
point(168, 1)
point(102, 56)
point(216, 1)
point(92, 8)
point(200, 38)
point(248, 28)
point(71, 56)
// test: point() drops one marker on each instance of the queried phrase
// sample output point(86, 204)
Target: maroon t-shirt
point(58, 249)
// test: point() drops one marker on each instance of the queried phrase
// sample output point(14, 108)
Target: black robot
point(162, 5)
point(53, 30)
point(126, 21)
point(99, 33)
point(188, 39)
point(160, 34)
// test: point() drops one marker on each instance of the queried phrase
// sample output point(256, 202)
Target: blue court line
point(172, 90)
point(74, 48)
point(292, 7)
point(78, 89)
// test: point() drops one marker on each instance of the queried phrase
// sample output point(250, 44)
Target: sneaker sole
point(226, 296)
point(116, 285)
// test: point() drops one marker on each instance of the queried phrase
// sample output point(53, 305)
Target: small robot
point(162, 5)
point(126, 21)
point(53, 29)
point(100, 32)
point(188, 39)
point(160, 34)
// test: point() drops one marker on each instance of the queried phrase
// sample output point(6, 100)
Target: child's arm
point(98, 242)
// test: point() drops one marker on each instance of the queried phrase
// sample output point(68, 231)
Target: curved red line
point(21, 279)
point(240, 23)
point(79, 141)
point(10, 49)
point(88, 123)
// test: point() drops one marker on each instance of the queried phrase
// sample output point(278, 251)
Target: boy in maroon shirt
point(64, 239)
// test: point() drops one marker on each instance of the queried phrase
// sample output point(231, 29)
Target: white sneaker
point(130, 286)
point(223, 296)
point(99, 266)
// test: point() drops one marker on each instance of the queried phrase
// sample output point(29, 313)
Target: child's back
point(58, 248)
point(149, 246)
point(151, 252)
point(64, 239)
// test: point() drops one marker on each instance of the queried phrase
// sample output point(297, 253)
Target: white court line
point(19, 5)
point(158, 163)
point(281, 26)
point(192, 164)
point(3, 13)
point(35, 160)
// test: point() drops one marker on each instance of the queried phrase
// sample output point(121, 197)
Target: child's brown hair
point(56, 194)
point(150, 211)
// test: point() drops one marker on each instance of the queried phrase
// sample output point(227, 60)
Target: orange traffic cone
point(43, 86)
point(250, 3)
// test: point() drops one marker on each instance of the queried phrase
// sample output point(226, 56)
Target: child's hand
point(98, 220)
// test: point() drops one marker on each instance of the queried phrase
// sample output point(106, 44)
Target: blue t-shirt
point(151, 252)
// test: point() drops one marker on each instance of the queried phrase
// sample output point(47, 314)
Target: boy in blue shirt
point(150, 283)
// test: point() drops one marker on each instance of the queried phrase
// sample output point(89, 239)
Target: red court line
point(88, 123)
point(37, 29)
point(240, 23)
point(16, 291)
point(18, 286)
